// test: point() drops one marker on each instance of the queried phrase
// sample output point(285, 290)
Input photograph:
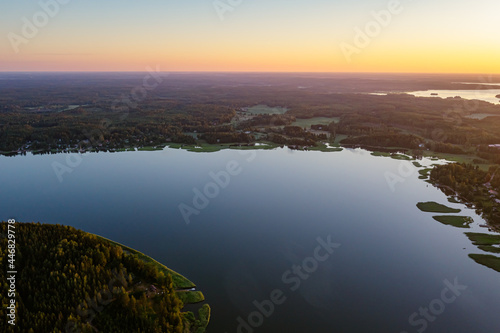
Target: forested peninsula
point(72, 281)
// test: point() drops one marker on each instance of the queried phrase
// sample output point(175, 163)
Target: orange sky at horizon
point(298, 39)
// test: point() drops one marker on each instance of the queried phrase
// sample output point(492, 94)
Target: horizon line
point(243, 72)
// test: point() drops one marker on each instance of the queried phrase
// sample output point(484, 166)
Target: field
point(315, 121)
point(264, 109)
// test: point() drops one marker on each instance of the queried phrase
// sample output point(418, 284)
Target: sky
point(427, 36)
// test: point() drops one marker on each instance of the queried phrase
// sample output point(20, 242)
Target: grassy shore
point(210, 148)
point(191, 296)
point(456, 221)
point(434, 207)
point(485, 242)
point(324, 148)
point(487, 260)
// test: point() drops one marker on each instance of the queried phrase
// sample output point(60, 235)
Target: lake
point(488, 95)
point(279, 240)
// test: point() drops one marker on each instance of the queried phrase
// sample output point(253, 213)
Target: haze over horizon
point(251, 36)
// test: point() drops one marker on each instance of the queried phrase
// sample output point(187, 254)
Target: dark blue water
point(241, 246)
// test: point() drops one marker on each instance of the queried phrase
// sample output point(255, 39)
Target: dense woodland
point(472, 185)
point(51, 112)
point(72, 281)
point(102, 129)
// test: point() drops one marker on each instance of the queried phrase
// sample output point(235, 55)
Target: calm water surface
point(391, 261)
point(488, 95)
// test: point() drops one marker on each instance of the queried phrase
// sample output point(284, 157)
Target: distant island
point(497, 96)
point(97, 285)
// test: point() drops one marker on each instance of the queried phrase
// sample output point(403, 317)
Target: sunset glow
point(420, 36)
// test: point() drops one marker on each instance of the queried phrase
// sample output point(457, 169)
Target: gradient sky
point(432, 36)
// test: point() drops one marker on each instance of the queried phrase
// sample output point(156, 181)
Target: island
point(97, 285)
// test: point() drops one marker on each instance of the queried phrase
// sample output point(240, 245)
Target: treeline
point(295, 136)
point(488, 153)
point(214, 138)
point(72, 281)
point(386, 140)
point(153, 123)
point(267, 120)
point(473, 185)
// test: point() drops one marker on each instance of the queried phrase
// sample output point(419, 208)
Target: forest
point(72, 281)
point(100, 111)
point(471, 185)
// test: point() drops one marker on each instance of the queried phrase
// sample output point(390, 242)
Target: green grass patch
point(380, 153)
point(315, 121)
point(324, 148)
point(424, 173)
point(487, 260)
point(200, 323)
point(417, 164)
point(338, 138)
point(401, 157)
point(264, 109)
point(485, 242)
point(149, 148)
point(434, 207)
point(210, 148)
point(450, 157)
point(204, 317)
point(456, 221)
point(391, 155)
point(191, 297)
